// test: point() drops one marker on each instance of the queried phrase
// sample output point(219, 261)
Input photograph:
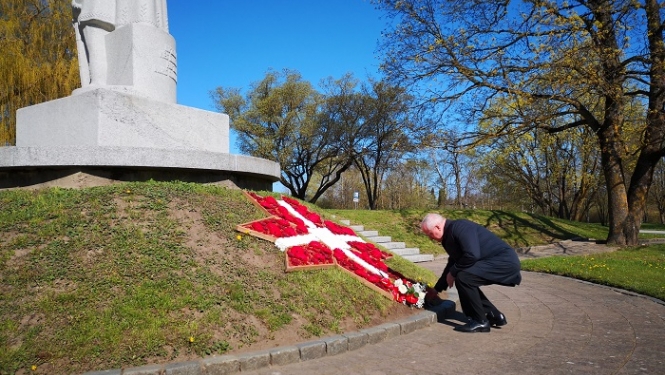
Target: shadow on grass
point(517, 228)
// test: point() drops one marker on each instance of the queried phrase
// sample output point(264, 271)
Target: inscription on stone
point(170, 65)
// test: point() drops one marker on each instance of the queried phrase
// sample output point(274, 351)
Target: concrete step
point(419, 258)
point(406, 251)
point(393, 245)
point(379, 239)
point(399, 248)
point(357, 228)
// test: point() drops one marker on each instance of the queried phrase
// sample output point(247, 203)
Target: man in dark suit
point(476, 257)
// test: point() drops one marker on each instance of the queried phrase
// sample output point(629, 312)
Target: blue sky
point(232, 43)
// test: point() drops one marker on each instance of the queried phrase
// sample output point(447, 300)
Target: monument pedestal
point(102, 136)
point(76, 166)
point(127, 125)
point(107, 118)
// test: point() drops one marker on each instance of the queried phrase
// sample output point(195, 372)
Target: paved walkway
point(567, 247)
point(556, 325)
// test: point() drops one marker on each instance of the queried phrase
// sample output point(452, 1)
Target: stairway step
point(419, 258)
point(393, 245)
point(379, 239)
point(399, 248)
point(406, 251)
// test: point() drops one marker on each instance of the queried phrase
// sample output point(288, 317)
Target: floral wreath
point(312, 243)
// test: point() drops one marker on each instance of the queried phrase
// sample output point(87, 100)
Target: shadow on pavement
point(448, 320)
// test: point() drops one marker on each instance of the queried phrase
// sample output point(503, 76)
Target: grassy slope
point(640, 269)
point(518, 229)
point(152, 272)
point(131, 274)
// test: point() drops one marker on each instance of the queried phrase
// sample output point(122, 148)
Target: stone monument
point(123, 124)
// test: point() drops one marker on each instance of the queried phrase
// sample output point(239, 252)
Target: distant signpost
point(356, 199)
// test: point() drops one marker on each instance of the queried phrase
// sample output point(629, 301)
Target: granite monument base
point(115, 136)
point(78, 177)
point(75, 167)
point(107, 118)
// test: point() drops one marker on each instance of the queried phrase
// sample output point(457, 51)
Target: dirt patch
point(199, 238)
point(212, 249)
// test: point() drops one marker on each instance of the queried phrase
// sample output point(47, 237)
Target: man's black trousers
point(474, 303)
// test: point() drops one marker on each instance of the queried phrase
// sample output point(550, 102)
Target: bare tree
point(388, 132)
point(280, 119)
point(584, 59)
point(449, 152)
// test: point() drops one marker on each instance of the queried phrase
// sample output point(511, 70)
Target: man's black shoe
point(497, 320)
point(473, 326)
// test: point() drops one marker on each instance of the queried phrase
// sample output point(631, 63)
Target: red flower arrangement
point(276, 227)
point(302, 210)
point(338, 229)
point(271, 205)
point(310, 242)
point(314, 253)
point(371, 250)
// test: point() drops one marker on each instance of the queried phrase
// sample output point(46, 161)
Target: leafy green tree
point(584, 59)
point(37, 57)
point(441, 198)
point(280, 120)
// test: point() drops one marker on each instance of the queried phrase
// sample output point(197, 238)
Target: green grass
point(653, 226)
point(640, 269)
point(517, 229)
point(138, 273)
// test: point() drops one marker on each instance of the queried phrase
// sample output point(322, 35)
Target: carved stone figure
point(95, 19)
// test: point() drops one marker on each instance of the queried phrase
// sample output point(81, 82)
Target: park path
point(556, 325)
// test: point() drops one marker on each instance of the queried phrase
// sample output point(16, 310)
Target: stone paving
point(555, 325)
point(567, 247)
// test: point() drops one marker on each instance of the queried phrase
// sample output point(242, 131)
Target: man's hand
point(432, 297)
point(431, 294)
point(450, 279)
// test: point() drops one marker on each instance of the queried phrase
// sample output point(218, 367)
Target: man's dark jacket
point(473, 248)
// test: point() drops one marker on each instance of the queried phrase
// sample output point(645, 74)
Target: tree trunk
point(617, 199)
point(612, 148)
point(655, 128)
point(639, 187)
